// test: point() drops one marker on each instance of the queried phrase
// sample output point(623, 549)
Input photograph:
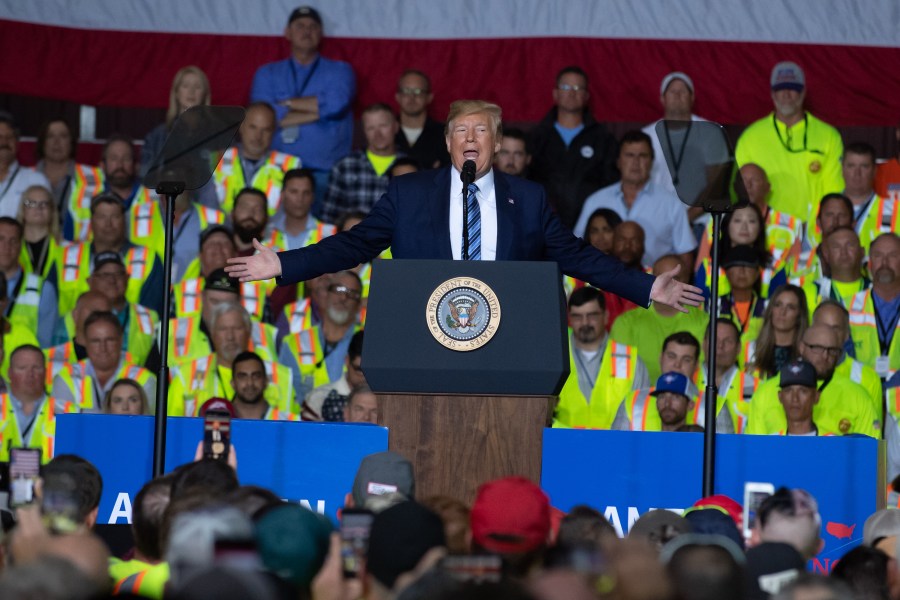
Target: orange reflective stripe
point(187, 338)
point(646, 410)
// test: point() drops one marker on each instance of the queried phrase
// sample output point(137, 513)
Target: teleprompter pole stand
point(711, 394)
point(187, 160)
point(170, 190)
point(702, 170)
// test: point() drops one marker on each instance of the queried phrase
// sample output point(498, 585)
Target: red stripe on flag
point(847, 84)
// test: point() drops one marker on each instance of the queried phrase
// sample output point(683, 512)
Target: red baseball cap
point(726, 504)
point(217, 405)
point(510, 515)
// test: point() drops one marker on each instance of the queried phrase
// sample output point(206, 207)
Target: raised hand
point(671, 292)
point(263, 265)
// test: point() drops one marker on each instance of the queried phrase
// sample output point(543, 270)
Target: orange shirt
point(887, 179)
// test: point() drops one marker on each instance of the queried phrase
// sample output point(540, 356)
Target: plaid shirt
point(354, 186)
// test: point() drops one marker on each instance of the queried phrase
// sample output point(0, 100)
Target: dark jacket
point(430, 147)
point(413, 219)
point(572, 174)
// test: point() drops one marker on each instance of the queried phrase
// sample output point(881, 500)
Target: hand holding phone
point(754, 495)
point(24, 471)
point(217, 435)
point(355, 526)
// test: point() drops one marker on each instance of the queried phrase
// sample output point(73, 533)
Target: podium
point(467, 358)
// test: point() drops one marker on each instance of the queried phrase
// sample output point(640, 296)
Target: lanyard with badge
point(815, 165)
point(676, 161)
point(864, 211)
point(9, 183)
point(886, 331)
point(290, 134)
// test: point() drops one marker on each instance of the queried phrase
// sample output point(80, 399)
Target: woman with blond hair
point(190, 88)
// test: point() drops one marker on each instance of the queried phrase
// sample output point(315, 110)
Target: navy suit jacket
point(413, 219)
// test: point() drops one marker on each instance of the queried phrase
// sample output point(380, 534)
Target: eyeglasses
point(565, 87)
point(815, 349)
point(31, 203)
point(343, 290)
point(410, 91)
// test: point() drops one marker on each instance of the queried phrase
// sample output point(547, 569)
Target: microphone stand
point(465, 246)
point(467, 175)
point(711, 394)
point(170, 190)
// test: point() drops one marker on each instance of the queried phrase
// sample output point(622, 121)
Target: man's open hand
point(265, 264)
point(671, 292)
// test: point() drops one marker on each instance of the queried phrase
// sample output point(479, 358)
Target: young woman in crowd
point(599, 230)
point(190, 88)
point(784, 321)
point(743, 227)
point(126, 397)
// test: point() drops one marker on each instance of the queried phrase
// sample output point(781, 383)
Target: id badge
point(291, 134)
point(883, 366)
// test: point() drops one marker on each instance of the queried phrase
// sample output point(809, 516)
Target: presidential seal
point(463, 314)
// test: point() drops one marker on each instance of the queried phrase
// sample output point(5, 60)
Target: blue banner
point(624, 474)
point(310, 463)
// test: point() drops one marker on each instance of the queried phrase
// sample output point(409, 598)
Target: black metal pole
point(711, 394)
point(170, 191)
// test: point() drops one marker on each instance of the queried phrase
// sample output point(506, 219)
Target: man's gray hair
point(227, 307)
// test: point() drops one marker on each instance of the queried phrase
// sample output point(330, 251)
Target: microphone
point(467, 174)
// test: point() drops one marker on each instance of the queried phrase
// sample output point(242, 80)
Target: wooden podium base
point(456, 443)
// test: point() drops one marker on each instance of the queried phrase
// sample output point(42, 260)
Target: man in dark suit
point(421, 216)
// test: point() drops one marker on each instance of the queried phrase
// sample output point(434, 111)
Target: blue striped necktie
point(473, 223)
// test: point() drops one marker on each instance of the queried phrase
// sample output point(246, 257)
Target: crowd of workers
point(809, 290)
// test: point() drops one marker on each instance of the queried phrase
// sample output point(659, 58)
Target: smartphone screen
point(217, 435)
point(60, 510)
point(754, 495)
point(24, 470)
point(355, 526)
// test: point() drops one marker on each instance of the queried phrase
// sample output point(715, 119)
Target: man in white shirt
point(636, 198)
point(14, 178)
point(676, 94)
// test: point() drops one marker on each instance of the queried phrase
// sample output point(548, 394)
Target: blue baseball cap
point(676, 383)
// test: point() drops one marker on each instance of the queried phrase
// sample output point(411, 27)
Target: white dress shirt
point(487, 204)
point(17, 181)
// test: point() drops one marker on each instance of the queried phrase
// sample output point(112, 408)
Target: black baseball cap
point(305, 11)
point(104, 258)
point(740, 256)
point(798, 372)
point(221, 281)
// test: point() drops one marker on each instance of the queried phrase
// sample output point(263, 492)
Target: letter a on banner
point(122, 508)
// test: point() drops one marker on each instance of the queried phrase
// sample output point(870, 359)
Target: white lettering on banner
point(612, 515)
point(122, 508)
point(320, 506)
